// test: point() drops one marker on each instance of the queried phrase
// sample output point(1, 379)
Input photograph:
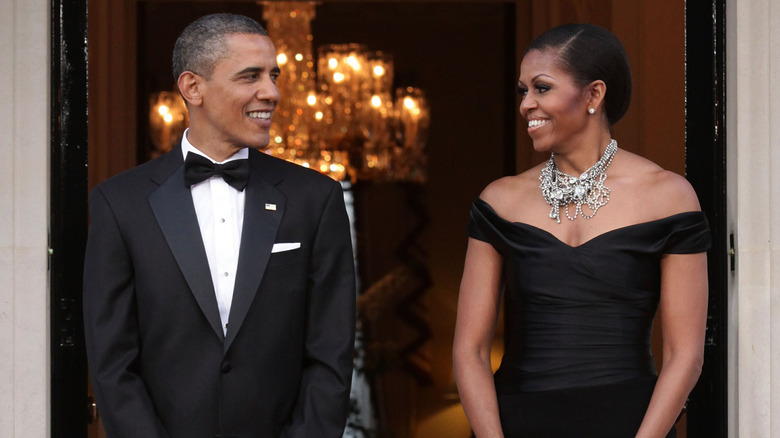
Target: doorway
point(117, 107)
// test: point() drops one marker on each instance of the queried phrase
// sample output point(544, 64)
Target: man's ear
point(597, 90)
point(190, 87)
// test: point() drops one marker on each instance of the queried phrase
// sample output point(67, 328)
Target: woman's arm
point(683, 320)
point(478, 310)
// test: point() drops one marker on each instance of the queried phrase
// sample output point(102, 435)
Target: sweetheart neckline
point(598, 236)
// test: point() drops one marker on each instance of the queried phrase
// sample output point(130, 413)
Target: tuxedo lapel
point(175, 213)
point(263, 211)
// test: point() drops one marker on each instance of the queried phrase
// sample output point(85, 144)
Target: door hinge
point(67, 328)
point(732, 253)
point(710, 332)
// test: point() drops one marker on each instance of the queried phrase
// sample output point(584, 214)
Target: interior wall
point(112, 88)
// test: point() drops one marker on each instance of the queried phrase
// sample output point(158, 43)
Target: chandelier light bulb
point(163, 110)
point(354, 86)
point(353, 62)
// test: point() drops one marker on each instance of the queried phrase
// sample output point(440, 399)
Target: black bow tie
point(198, 168)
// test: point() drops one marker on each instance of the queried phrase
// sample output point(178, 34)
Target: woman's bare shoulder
point(505, 191)
point(674, 192)
point(666, 192)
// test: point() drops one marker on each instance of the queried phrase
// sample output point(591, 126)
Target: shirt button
point(226, 274)
point(222, 220)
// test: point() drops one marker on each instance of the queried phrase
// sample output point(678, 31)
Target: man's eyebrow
point(249, 70)
point(256, 70)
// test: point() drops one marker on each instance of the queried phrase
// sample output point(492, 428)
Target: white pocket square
point(280, 247)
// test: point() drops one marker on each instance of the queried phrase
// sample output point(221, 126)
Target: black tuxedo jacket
point(159, 362)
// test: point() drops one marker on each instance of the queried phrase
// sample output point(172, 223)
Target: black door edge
point(68, 216)
point(705, 158)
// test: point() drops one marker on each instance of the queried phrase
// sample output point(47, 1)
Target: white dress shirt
point(220, 211)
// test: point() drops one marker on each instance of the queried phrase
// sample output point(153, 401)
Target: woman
point(582, 262)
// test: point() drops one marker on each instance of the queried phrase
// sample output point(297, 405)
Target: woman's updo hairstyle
point(589, 53)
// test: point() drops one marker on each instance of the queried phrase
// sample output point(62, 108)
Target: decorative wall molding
point(754, 215)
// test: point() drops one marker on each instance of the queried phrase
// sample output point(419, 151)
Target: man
point(220, 302)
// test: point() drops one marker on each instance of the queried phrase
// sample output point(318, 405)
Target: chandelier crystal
point(342, 118)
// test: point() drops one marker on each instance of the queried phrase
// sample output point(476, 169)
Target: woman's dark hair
point(589, 53)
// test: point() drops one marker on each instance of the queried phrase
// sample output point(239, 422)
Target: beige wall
point(24, 182)
point(753, 130)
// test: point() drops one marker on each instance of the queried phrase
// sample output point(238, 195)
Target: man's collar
point(187, 147)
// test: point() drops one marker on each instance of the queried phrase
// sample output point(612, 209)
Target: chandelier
point(342, 118)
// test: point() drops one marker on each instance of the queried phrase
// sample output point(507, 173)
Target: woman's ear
point(597, 90)
point(190, 85)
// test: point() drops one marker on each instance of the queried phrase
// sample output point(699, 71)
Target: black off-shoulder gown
point(578, 322)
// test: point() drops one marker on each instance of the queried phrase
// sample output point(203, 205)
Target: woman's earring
point(591, 111)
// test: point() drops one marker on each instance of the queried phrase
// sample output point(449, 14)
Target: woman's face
point(555, 106)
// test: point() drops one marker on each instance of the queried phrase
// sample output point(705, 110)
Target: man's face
point(241, 95)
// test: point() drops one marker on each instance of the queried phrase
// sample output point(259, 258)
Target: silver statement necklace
point(561, 189)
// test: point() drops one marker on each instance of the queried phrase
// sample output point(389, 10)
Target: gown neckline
point(592, 239)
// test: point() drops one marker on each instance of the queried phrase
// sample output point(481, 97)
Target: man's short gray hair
point(202, 43)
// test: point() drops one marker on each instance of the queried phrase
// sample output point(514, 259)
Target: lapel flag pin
point(270, 207)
